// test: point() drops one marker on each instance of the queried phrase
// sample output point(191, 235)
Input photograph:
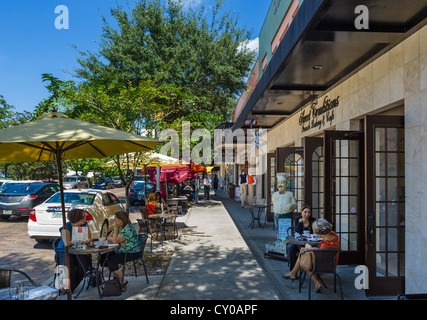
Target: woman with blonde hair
point(151, 204)
point(330, 240)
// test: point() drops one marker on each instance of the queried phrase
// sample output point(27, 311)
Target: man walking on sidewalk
point(207, 186)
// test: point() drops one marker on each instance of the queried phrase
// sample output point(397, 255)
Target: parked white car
point(45, 220)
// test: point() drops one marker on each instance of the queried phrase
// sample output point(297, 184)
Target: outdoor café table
point(39, 292)
point(91, 251)
point(173, 204)
point(302, 241)
point(162, 218)
point(256, 217)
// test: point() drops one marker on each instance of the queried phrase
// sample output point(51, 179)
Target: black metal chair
point(289, 232)
point(324, 262)
point(6, 274)
point(142, 240)
point(145, 225)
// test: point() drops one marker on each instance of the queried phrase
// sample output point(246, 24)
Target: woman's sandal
point(289, 277)
point(124, 284)
point(317, 288)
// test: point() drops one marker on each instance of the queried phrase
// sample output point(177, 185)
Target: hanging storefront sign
point(318, 116)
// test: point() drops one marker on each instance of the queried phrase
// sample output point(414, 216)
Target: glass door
point(290, 160)
point(314, 175)
point(344, 192)
point(385, 205)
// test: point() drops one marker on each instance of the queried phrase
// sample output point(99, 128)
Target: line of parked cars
point(42, 204)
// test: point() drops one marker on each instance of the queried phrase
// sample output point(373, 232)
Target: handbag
point(112, 288)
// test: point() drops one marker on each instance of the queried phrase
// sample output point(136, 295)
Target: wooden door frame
point(329, 135)
point(310, 145)
point(377, 285)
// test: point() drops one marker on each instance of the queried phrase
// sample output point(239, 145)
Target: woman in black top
point(302, 223)
point(305, 221)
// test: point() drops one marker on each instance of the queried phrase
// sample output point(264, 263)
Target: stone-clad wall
point(397, 78)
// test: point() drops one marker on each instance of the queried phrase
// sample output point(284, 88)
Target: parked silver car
point(76, 182)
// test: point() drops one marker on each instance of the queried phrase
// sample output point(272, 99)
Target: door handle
point(370, 230)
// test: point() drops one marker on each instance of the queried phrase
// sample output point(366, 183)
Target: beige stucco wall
point(399, 77)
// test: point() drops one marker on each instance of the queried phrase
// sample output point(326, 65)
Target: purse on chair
point(112, 288)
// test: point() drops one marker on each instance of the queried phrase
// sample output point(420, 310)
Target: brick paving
point(20, 252)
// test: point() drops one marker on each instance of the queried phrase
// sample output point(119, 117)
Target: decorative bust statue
point(284, 202)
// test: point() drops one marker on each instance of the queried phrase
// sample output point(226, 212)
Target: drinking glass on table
point(24, 292)
point(14, 292)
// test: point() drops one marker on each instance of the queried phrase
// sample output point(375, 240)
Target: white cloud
point(251, 45)
point(191, 3)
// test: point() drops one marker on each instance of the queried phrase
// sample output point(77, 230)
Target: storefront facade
point(355, 142)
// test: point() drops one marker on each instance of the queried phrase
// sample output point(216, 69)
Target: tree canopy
point(202, 56)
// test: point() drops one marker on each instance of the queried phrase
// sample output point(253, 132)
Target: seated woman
point(151, 204)
point(159, 201)
point(323, 229)
point(77, 218)
point(302, 223)
point(124, 233)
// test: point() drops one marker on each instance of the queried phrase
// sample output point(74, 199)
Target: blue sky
point(30, 44)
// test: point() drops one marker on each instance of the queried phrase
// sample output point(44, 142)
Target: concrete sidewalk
point(219, 257)
point(212, 261)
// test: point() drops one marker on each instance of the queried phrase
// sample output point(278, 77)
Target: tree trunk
point(127, 189)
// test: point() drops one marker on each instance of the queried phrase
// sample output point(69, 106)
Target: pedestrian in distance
point(207, 186)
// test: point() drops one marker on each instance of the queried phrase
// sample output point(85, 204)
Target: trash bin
point(232, 191)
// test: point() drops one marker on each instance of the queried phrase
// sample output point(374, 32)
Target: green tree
point(6, 113)
point(203, 55)
point(123, 107)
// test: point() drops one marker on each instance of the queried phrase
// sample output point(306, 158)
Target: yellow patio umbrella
point(54, 136)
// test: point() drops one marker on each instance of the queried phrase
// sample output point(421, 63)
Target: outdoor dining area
point(55, 136)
